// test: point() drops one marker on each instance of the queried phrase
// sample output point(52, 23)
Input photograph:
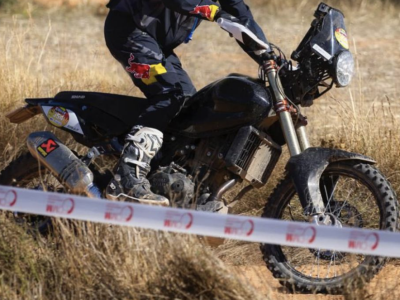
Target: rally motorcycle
point(230, 132)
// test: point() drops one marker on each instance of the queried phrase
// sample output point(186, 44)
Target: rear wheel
point(358, 196)
point(25, 172)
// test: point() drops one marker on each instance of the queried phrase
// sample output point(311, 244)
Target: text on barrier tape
point(269, 231)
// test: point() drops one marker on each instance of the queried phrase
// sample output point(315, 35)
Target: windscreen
point(331, 38)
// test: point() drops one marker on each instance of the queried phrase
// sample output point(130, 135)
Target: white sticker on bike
point(322, 52)
point(62, 118)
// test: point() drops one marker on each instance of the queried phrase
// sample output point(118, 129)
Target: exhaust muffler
point(63, 163)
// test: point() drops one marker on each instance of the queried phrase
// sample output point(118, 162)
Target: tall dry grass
point(45, 51)
point(92, 261)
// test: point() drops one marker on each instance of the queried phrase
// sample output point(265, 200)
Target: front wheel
point(359, 196)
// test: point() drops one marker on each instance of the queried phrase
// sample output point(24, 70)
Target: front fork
point(307, 164)
point(295, 134)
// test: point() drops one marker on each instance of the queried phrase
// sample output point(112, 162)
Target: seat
point(124, 108)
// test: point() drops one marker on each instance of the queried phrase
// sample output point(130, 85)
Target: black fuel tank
point(224, 105)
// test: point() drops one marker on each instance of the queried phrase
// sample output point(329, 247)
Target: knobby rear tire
point(23, 172)
point(296, 281)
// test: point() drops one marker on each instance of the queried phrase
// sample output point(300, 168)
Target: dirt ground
point(262, 280)
point(245, 260)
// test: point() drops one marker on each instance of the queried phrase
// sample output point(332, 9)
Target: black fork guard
point(306, 169)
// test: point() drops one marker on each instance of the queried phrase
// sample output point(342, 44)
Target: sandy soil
point(386, 282)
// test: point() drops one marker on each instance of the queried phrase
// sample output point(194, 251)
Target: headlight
point(344, 68)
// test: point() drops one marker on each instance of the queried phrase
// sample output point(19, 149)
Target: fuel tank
point(222, 106)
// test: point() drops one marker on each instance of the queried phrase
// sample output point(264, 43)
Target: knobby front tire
point(362, 198)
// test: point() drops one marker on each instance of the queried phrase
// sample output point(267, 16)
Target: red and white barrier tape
point(374, 242)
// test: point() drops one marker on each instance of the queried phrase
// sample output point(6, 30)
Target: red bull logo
point(363, 241)
point(8, 198)
point(206, 11)
point(341, 37)
point(120, 213)
point(141, 71)
point(178, 220)
point(301, 234)
point(236, 226)
point(60, 205)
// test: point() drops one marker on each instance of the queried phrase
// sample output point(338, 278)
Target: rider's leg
point(165, 87)
point(130, 182)
point(184, 79)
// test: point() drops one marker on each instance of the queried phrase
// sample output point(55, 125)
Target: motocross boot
point(130, 182)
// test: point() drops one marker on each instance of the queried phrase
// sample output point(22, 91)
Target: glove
point(247, 33)
point(222, 14)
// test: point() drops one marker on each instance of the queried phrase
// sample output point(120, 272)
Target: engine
point(173, 183)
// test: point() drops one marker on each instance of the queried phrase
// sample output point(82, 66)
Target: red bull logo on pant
point(138, 70)
point(145, 72)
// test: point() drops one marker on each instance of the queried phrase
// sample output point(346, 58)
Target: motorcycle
point(233, 131)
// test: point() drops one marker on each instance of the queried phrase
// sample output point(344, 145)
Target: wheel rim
point(355, 205)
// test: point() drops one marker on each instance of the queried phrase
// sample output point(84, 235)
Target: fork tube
point(302, 137)
point(281, 109)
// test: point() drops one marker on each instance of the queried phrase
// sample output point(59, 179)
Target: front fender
point(306, 169)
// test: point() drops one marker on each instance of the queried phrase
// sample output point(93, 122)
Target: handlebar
point(244, 35)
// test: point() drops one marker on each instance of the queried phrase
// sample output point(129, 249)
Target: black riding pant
point(157, 73)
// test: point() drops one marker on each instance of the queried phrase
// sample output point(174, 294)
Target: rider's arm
point(235, 11)
point(236, 8)
point(204, 9)
point(241, 11)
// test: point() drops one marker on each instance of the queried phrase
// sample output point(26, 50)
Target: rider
point(142, 36)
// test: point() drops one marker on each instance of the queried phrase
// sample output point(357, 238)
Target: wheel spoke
point(352, 204)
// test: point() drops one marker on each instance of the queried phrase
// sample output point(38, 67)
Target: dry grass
point(91, 261)
point(46, 51)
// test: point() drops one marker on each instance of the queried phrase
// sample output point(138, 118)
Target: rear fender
point(306, 169)
point(57, 113)
point(28, 111)
point(23, 114)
